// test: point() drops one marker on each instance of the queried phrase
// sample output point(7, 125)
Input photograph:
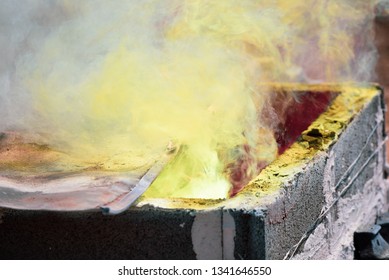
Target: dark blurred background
point(382, 43)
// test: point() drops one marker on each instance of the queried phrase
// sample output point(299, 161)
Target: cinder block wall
point(359, 204)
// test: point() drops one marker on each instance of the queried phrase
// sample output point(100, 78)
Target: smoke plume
point(117, 81)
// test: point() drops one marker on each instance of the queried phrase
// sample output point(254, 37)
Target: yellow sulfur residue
point(325, 131)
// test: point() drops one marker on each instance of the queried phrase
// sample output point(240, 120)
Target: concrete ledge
point(315, 190)
point(137, 234)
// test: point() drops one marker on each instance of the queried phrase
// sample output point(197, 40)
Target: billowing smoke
point(117, 81)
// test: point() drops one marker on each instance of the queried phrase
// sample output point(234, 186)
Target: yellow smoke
point(187, 72)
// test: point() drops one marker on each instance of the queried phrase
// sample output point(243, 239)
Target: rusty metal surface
point(77, 192)
point(123, 203)
point(36, 177)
